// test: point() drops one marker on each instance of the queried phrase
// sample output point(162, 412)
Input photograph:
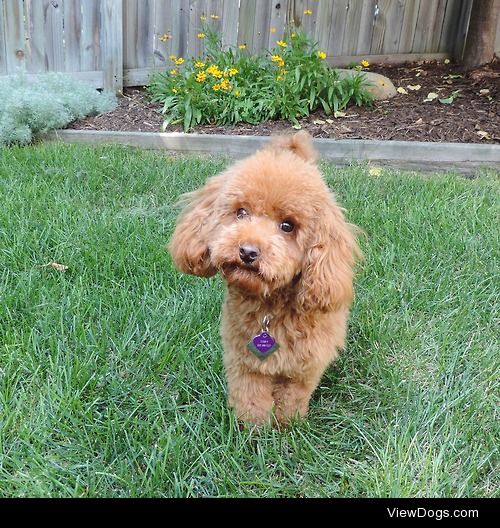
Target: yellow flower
point(179, 61)
point(273, 30)
point(199, 64)
point(174, 90)
point(293, 35)
point(232, 71)
point(173, 72)
point(203, 18)
point(236, 92)
point(308, 12)
point(165, 37)
point(214, 71)
point(375, 171)
point(365, 63)
point(278, 60)
point(322, 55)
point(225, 85)
point(281, 43)
point(201, 35)
point(242, 46)
point(216, 87)
point(201, 76)
point(214, 17)
point(172, 57)
point(280, 77)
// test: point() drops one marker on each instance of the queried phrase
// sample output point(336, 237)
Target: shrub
point(45, 102)
point(229, 86)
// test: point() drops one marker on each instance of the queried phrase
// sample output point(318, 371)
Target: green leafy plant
point(48, 101)
point(229, 86)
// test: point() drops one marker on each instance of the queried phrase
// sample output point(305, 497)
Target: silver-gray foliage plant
point(29, 105)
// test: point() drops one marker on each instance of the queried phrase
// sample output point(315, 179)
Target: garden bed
point(472, 117)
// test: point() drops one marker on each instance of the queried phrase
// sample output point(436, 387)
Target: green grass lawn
point(111, 380)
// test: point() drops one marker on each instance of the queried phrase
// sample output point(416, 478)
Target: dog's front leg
point(250, 395)
point(292, 397)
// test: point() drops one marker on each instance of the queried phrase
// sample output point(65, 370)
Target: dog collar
point(263, 344)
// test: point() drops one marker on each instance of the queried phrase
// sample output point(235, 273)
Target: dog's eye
point(241, 213)
point(287, 226)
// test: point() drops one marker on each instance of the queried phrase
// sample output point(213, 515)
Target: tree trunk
point(480, 42)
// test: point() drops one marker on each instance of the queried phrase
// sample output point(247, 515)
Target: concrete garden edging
point(462, 157)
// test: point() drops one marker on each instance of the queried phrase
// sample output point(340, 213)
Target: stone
point(380, 86)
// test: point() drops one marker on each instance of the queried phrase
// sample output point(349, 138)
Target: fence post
point(112, 44)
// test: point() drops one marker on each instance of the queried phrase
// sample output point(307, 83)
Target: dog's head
point(269, 222)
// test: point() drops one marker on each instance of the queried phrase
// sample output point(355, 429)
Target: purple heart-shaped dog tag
point(263, 345)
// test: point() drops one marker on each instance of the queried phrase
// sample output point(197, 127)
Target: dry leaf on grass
point(413, 87)
point(401, 90)
point(56, 266)
point(375, 171)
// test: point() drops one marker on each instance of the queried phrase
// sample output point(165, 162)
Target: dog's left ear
point(326, 282)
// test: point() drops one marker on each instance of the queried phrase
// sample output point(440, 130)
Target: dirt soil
point(472, 117)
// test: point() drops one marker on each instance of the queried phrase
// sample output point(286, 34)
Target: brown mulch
point(473, 117)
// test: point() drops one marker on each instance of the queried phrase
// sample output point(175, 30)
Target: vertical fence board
point(35, 44)
point(90, 44)
point(112, 43)
point(262, 25)
point(339, 15)
point(380, 26)
point(163, 25)
point(461, 31)
point(14, 35)
point(230, 12)
point(409, 25)
point(130, 31)
point(178, 11)
point(3, 61)
point(450, 23)
point(423, 30)
point(197, 9)
point(323, 26)
point(366, 27)
point(72, 34)
point(246, 23)
point(437, 27)
point(145, 34)
point(54, 34)
point(353, 23)
point(497, 39)
point(393, 26)
point(278, 22)
point(309, 21)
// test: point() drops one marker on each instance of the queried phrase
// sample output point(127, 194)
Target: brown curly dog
point(270, 226)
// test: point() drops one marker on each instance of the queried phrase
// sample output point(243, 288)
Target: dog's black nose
point(249, 253)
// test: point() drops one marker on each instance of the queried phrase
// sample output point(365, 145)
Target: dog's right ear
point(189, 243)
point(299, 143)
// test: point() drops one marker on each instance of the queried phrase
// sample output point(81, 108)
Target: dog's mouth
point(232, 268)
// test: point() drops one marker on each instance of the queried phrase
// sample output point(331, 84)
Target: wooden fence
point(112, 43)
